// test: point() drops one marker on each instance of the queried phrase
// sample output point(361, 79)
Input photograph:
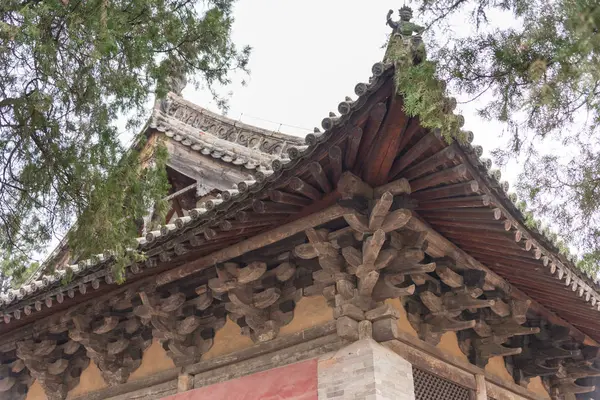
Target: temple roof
point(454, 190)
point(209, 135)
point(219, 136)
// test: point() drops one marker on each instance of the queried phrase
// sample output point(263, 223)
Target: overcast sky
point(308, 55)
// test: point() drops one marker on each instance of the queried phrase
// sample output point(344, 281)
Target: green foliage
point(68, 70)
point(541, 72)
point(589, 263)
point(18, 268)
point(423, 94)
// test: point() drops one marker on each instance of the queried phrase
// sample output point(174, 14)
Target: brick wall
point(365, 370)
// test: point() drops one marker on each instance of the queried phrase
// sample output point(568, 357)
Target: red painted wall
point(292, 382)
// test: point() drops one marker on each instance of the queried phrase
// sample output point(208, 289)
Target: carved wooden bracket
point(181, 326)
point(112, 336)
point(15, 377)
point(367, 262)
point(55, 363)
point(260, 301)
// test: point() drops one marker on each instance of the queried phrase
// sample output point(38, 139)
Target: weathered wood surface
point(262, 349)
point(185, 382)
point(253, 243)
point(159, 391)
point(493, 279)
point(435, 361)
point(480, 392)
point(168, 376)
point(384, 252)
point(385, 146)
point(212, 173)
point(289, 355)
point(369, 134)
point(306, 343)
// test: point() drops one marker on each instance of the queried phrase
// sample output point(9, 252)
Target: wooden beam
point(352, 146)
point(261, 349)
point(521, 228)
point(469, 188)
point(430, 164)
point(320, 176)
point(336, 163)
point(368, 135)
point(303, 188)
point(279, 196)
point(253, 243)
point(137, 384)
point(254, 352)
point(385, 148)
point(414, 153)
point(458, 173)
point(432, 360)
point(289, 355)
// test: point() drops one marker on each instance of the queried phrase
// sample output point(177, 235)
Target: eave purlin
point(256, 242)
point(233, 251)
point(500, 204)
point(8, 340)
point(158, 115)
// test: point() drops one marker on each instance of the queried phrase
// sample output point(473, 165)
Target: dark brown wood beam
point(352, 146)
point(430, 164)
point(414, 153)
point(469, 188)
point(253, 243)
point(376, 116)
point(385, 147)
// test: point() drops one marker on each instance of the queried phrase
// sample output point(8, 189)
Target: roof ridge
point(264, 140)
point(207, 143)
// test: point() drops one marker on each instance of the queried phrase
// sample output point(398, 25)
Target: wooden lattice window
point(431, 387)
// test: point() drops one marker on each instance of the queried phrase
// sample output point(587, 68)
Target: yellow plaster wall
point(155, 359)
point(227, 340)
point(536, 386)
point(496, 366)
point(90, 380)
point(403, 324)
point(36, 392)
point(310, 311)
point(449, 344)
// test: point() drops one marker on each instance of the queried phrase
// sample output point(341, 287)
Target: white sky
point(307, 56)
